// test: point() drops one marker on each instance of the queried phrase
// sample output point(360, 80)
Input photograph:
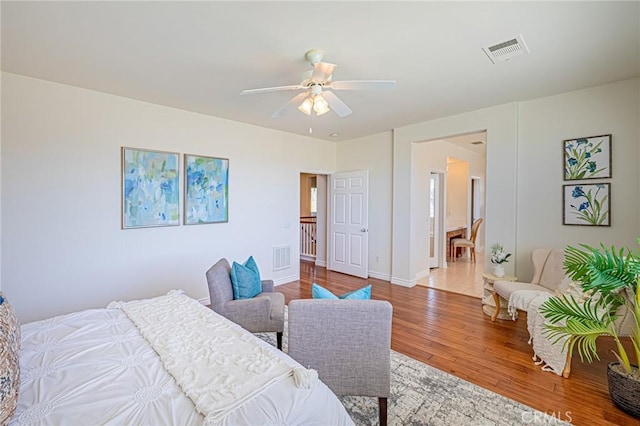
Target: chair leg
point(567, 367)
point(496, 299)
point(279, 339)
point(382, 406)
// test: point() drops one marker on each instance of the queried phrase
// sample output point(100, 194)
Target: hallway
point(461, 276)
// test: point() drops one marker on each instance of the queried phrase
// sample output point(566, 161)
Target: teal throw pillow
point(319, 292)
point(363, 293)
point(245, 279)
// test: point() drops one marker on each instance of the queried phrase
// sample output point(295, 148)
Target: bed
point(142, 362)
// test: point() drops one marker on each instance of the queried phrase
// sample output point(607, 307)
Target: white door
point(349, 223)
point(434, 221)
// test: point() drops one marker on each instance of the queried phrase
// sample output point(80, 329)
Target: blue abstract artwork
point(206, 198)
point(150, 188)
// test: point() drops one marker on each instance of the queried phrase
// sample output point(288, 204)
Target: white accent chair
point(548, 274)
point(548, 278)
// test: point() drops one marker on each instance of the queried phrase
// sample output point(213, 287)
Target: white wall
point(542, 126)
point(373, 153)
point(63, 249)
point(62, 245)
point(524, 174)
point(409, 183)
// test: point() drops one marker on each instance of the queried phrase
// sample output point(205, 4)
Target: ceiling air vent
point(506, 49)
point(477, 143)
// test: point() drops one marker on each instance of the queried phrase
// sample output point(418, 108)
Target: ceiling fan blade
point(362, 84)
point(336, 104)
point(322, 71)
point(271, 89)
point(297, 98)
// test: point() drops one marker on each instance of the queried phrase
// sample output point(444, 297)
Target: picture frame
point(150, 188)
point(206, 189)
point(587, 158)
point(587, 204)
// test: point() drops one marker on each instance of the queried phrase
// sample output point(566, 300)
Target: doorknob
point(363, 230)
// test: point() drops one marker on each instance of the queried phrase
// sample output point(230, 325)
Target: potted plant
point(498, 257)
point(609, 280)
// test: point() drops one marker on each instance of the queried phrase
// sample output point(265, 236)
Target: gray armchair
point(263, 313)
point(348, 342)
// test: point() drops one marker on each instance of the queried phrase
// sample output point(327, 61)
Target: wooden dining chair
point(467, 243)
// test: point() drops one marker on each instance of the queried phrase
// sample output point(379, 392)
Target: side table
point(488, 302)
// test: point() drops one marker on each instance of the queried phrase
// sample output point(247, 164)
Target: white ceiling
point(199, 56)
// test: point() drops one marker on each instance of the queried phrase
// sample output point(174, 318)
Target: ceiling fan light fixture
point(317, 89)
point(306, 106)
point(320, 105)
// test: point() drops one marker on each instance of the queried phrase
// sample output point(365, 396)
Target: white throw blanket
point(217, 364)
point(552, 357)
point(521, 299)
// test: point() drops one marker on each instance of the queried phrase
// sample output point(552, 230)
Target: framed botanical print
point(587, 158)
point(587, 204)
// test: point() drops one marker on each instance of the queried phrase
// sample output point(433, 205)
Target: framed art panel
point(206, 192)
point(150, 188)
point(587, 204)
point(587, 158)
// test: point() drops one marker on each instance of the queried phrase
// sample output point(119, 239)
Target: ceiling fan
point(317, 86)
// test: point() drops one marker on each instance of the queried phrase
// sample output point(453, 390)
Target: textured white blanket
point(217, 364)
point(552, 357)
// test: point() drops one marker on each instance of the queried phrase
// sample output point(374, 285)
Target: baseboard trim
point(321, 263)
point(205, 301)
point(404, 283)
point(380, 276)
point(285, 280)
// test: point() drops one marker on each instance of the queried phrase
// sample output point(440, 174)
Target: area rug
point(424, 395)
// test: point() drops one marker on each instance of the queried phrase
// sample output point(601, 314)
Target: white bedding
point(94, 367)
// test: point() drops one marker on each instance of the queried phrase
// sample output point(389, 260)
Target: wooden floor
point(449, 331)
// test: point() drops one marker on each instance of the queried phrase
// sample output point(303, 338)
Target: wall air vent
point(506, 49)
point(281, 258)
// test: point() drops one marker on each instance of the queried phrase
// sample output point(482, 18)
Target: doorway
point(436, 258)
point(312, 224)
point(334, 221)
point(462, 159)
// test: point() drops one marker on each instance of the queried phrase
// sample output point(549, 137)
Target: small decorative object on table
point(498, 257)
